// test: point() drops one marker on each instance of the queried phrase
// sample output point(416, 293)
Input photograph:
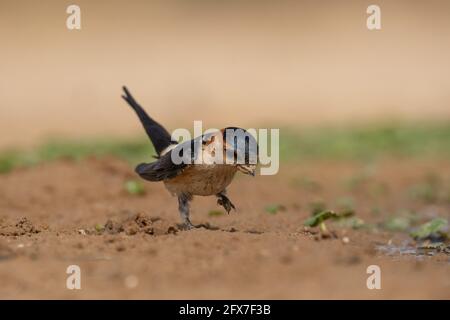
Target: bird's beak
point(249, 169)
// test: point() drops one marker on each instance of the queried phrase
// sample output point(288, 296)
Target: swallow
point(177, 164)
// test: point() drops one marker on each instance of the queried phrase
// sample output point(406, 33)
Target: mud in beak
point(249, 169)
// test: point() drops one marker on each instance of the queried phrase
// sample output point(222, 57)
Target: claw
point(186, 226)
point(226, 203)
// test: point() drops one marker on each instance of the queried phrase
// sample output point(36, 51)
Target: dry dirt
point(127, 246)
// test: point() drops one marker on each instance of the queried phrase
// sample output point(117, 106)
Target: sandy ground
point(48, 216)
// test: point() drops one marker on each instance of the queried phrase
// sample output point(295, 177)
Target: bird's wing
point(158, 135)
point(162, 169)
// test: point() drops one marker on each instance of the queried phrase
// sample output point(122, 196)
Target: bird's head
point(240, 149)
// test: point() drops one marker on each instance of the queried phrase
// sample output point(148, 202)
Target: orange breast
point(202, 180)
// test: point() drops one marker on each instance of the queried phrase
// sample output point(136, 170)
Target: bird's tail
point(158, 135)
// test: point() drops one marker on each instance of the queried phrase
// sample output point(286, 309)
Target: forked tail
point(157, 133)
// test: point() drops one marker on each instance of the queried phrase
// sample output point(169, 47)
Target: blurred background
point(364, 120)
point(249, 63)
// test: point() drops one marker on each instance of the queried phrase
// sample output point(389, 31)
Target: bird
point(177, 164)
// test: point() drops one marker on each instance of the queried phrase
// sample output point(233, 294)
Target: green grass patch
point(361, 143)
point(365, 143)
point(134, 151)
point(215, 213)
point(274, 208)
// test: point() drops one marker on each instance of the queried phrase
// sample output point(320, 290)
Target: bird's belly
point(202, 180)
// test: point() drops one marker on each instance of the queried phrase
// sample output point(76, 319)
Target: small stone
point(345, 240)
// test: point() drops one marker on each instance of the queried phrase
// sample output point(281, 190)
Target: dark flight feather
point(162, 169)
point(158, 135)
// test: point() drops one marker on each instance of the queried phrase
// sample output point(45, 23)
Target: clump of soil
point(22, 227)
point(136, 223)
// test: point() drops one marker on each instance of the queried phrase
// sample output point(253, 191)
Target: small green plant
point(99, 227)
point(215, 213)
point(319, 219)
point(434, 227)
point(134, 187)
point(274, 208)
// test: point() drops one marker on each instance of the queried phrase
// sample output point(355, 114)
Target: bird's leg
point(183, 207)
point(225, 202)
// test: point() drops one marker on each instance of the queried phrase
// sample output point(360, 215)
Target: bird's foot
point(186, 225)
point(226, 203)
